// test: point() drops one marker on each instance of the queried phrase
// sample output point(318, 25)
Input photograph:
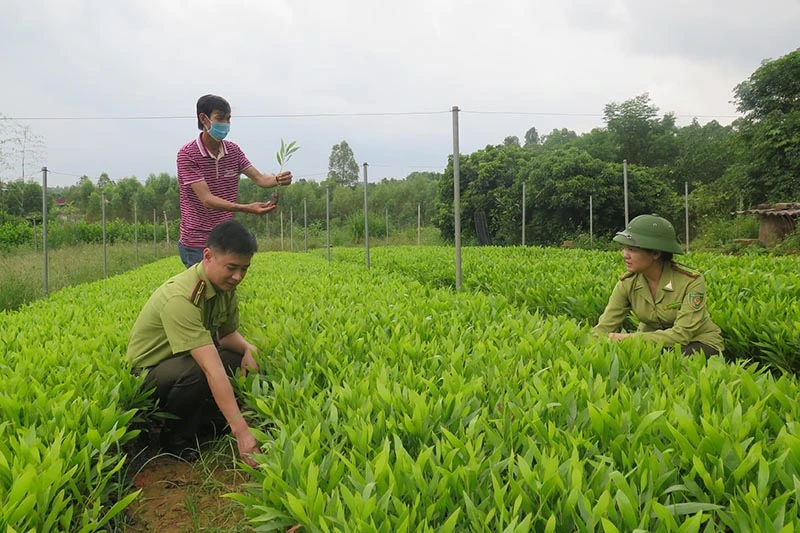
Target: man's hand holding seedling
point(284, 178)
point(284, 154)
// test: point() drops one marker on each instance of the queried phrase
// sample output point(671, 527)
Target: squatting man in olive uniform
point(668, 298)
point(186, 343)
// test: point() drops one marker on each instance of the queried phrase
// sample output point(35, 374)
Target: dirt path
point(185, 497)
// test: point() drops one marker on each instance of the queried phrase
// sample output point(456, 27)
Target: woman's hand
point(618, 336)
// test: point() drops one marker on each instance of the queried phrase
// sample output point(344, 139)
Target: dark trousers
point(694, 347)
point(189, 256)
point(181, 389)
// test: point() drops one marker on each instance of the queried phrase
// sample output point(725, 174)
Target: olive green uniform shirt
point(678, 315)
point(184, 313)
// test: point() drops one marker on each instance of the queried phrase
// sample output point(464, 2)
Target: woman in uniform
point(668, 298)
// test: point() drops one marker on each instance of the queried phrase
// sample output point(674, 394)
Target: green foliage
point(342, 166)
point(774, 86)
point(388, 404)
point(67, 405)
point(704, 154)
point(15, 233)
point(61, 233)
point(642, 138)
point(558, 185)
point(531, 137)
point(561, 182)
point(788, 245)
point(720, 232)
point(467, 412)
point(403, 198)
point(377, 227)
point(768, 139)
point(558, 138)
point(285, 153)
point(21, 269)
point(744, 292)
point(489, 184)
point(22, 199)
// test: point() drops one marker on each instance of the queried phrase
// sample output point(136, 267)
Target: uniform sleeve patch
point(198, 292)
point(696, 300)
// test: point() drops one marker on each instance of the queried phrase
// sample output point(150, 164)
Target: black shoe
point(180, 446)
point(183, 449)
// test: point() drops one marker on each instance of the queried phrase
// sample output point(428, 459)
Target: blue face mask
point(219, 130)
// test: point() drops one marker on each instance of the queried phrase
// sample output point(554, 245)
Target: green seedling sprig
point(285, 152)
point(283, 155)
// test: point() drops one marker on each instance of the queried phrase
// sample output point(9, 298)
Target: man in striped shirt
point(208, 176)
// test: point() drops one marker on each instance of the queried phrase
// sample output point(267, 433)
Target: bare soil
point(178, 496)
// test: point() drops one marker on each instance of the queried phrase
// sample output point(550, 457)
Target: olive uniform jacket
point(677, 316)
point(184, 313)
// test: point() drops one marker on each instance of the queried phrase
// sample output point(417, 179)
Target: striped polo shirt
point(221, 174)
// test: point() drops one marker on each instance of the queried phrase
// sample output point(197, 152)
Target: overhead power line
point(64, 174)
point(336, 115)
point(275, 115)
point(593, 115)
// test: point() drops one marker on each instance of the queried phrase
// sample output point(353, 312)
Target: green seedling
point(283, 155)
point(285, 152)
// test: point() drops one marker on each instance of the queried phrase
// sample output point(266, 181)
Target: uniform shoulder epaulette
point(685, 270)
point(197, 293)
point(626, 275)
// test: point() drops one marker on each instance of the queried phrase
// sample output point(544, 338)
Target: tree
point(161, 186)
point(78, 194)
point(342, 165)
point(600, 144)
point(767, 139)
point(104, 181)
point(511, 140)
point(774, 86)
point(704, 154)
point(21, 149)
point(561, 181)
point(23, 198)
point(531, 137)
point(558, 138)
point(643, 139)
point(487, 176)
point(124, 197)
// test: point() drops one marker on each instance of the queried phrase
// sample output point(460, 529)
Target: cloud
point(562, 60)
point(738, 33)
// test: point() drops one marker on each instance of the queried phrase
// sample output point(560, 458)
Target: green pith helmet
point(650, 232)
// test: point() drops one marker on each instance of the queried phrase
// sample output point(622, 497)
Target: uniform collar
point(209, 291)
point(665, 284)
point(204, 151)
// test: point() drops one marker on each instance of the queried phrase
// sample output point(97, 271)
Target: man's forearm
point(223, 395)
point(220, 204)
point(266, 180)
point(234, 342)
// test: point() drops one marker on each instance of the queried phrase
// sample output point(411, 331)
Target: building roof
point(790, 209)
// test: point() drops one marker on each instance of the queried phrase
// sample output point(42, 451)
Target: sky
point(111, 86)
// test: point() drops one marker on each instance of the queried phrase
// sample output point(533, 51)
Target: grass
point(21, 270)
point(181, 496)
point(295, 240)
point(219, 474)
point(21, 278)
